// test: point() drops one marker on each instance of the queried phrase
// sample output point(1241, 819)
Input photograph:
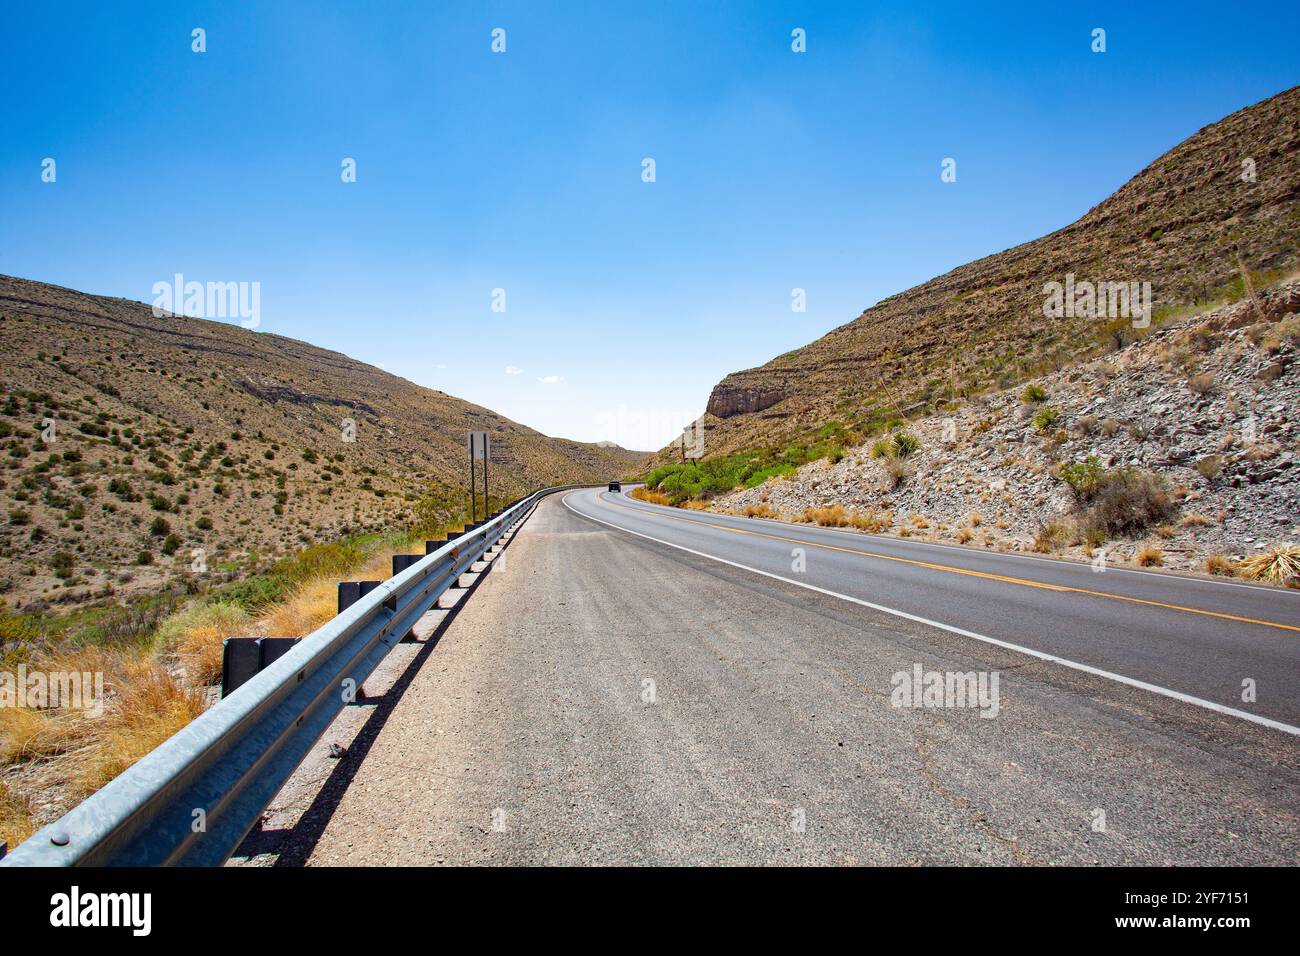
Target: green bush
point(897, 448)
point(1046, 417)
point(1116, 500)
point(1083, 477)
point(905, 445)
point(1033, 393)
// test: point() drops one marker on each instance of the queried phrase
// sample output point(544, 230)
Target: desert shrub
point(905, 445)
point(898, 471)
point(1083, 477)
point(760, 511)
point(1051, 536)
point(1209, 466)
point(1148, 556)
point(653, 497)
point(1046, 417)
point(1280, 565)
point(1033, 394)
point(833, 516)
point(1218, 564)
point(896, 447)
point(61, 564)
point(1127, 500)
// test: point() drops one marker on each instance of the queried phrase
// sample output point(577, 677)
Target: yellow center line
point(1024, 582)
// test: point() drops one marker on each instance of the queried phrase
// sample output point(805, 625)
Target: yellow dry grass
point(1280, 565)
point(146, 706)
point(312, 604)
point(833, 516)
point(15, 817)
point(761, 511)
point(1148, 556)
point(1219, 564)
point(653, 497)
point(195, 636)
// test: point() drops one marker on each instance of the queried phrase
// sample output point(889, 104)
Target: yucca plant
point(1280, 564)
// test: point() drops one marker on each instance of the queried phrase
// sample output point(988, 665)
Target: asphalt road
point(1190, 636)
point(606, 698)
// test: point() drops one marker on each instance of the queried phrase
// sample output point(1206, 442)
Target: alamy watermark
point(947, 689)
point(53, 690)
point(1098, 300)
point(210, 300)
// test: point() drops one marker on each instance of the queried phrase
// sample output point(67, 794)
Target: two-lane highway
point(605, 697)
point(1202, 641)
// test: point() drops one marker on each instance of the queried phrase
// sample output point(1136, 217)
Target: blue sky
point(522, 170)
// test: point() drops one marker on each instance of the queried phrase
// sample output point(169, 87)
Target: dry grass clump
point(143, 705)
point(1149, 556)
point(873, 521)
point(1194, 520)
point(195, 637)
point(27, 733)
point(919, 522)
point(833, 516)
point(1051, 536)
point(146, 706)
point(1220, 565)
point(690, 505)
point(975, 520)
point(761, 511)
point(312, 604)
point(963, 535)
point(653, 497)
point(1280, 565)
point(15, 817)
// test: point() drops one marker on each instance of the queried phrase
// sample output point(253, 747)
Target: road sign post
point(480, 446)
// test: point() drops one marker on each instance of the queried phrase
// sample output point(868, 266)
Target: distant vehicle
point(615, 486)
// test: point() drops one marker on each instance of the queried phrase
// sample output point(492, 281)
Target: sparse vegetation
point(1149, 556)
point(1046, 417)
point(1117, 500)
point(1278, 565)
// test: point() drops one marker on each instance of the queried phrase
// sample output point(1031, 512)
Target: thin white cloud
point(551, 379)
point(514, 370)
point(441, 365)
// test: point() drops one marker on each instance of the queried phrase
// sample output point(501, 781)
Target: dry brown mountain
point(174, 434)
point(1226, 196)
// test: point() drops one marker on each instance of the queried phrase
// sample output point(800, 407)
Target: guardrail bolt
point(59, 838)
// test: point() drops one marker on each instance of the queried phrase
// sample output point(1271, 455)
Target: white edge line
point(1050, 658)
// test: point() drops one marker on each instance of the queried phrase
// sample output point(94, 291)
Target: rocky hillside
point(1207, 405)
point(1228, 196)
point(167, 435)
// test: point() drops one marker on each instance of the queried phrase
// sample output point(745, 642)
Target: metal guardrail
point(192, 801)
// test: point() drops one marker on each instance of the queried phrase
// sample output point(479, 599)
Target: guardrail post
point(243, 658)
point(403, 561)
point(350, 592)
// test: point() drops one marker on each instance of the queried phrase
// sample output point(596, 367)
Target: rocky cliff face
point(1210, 403)
point(728, 400)
point(1227, 196)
